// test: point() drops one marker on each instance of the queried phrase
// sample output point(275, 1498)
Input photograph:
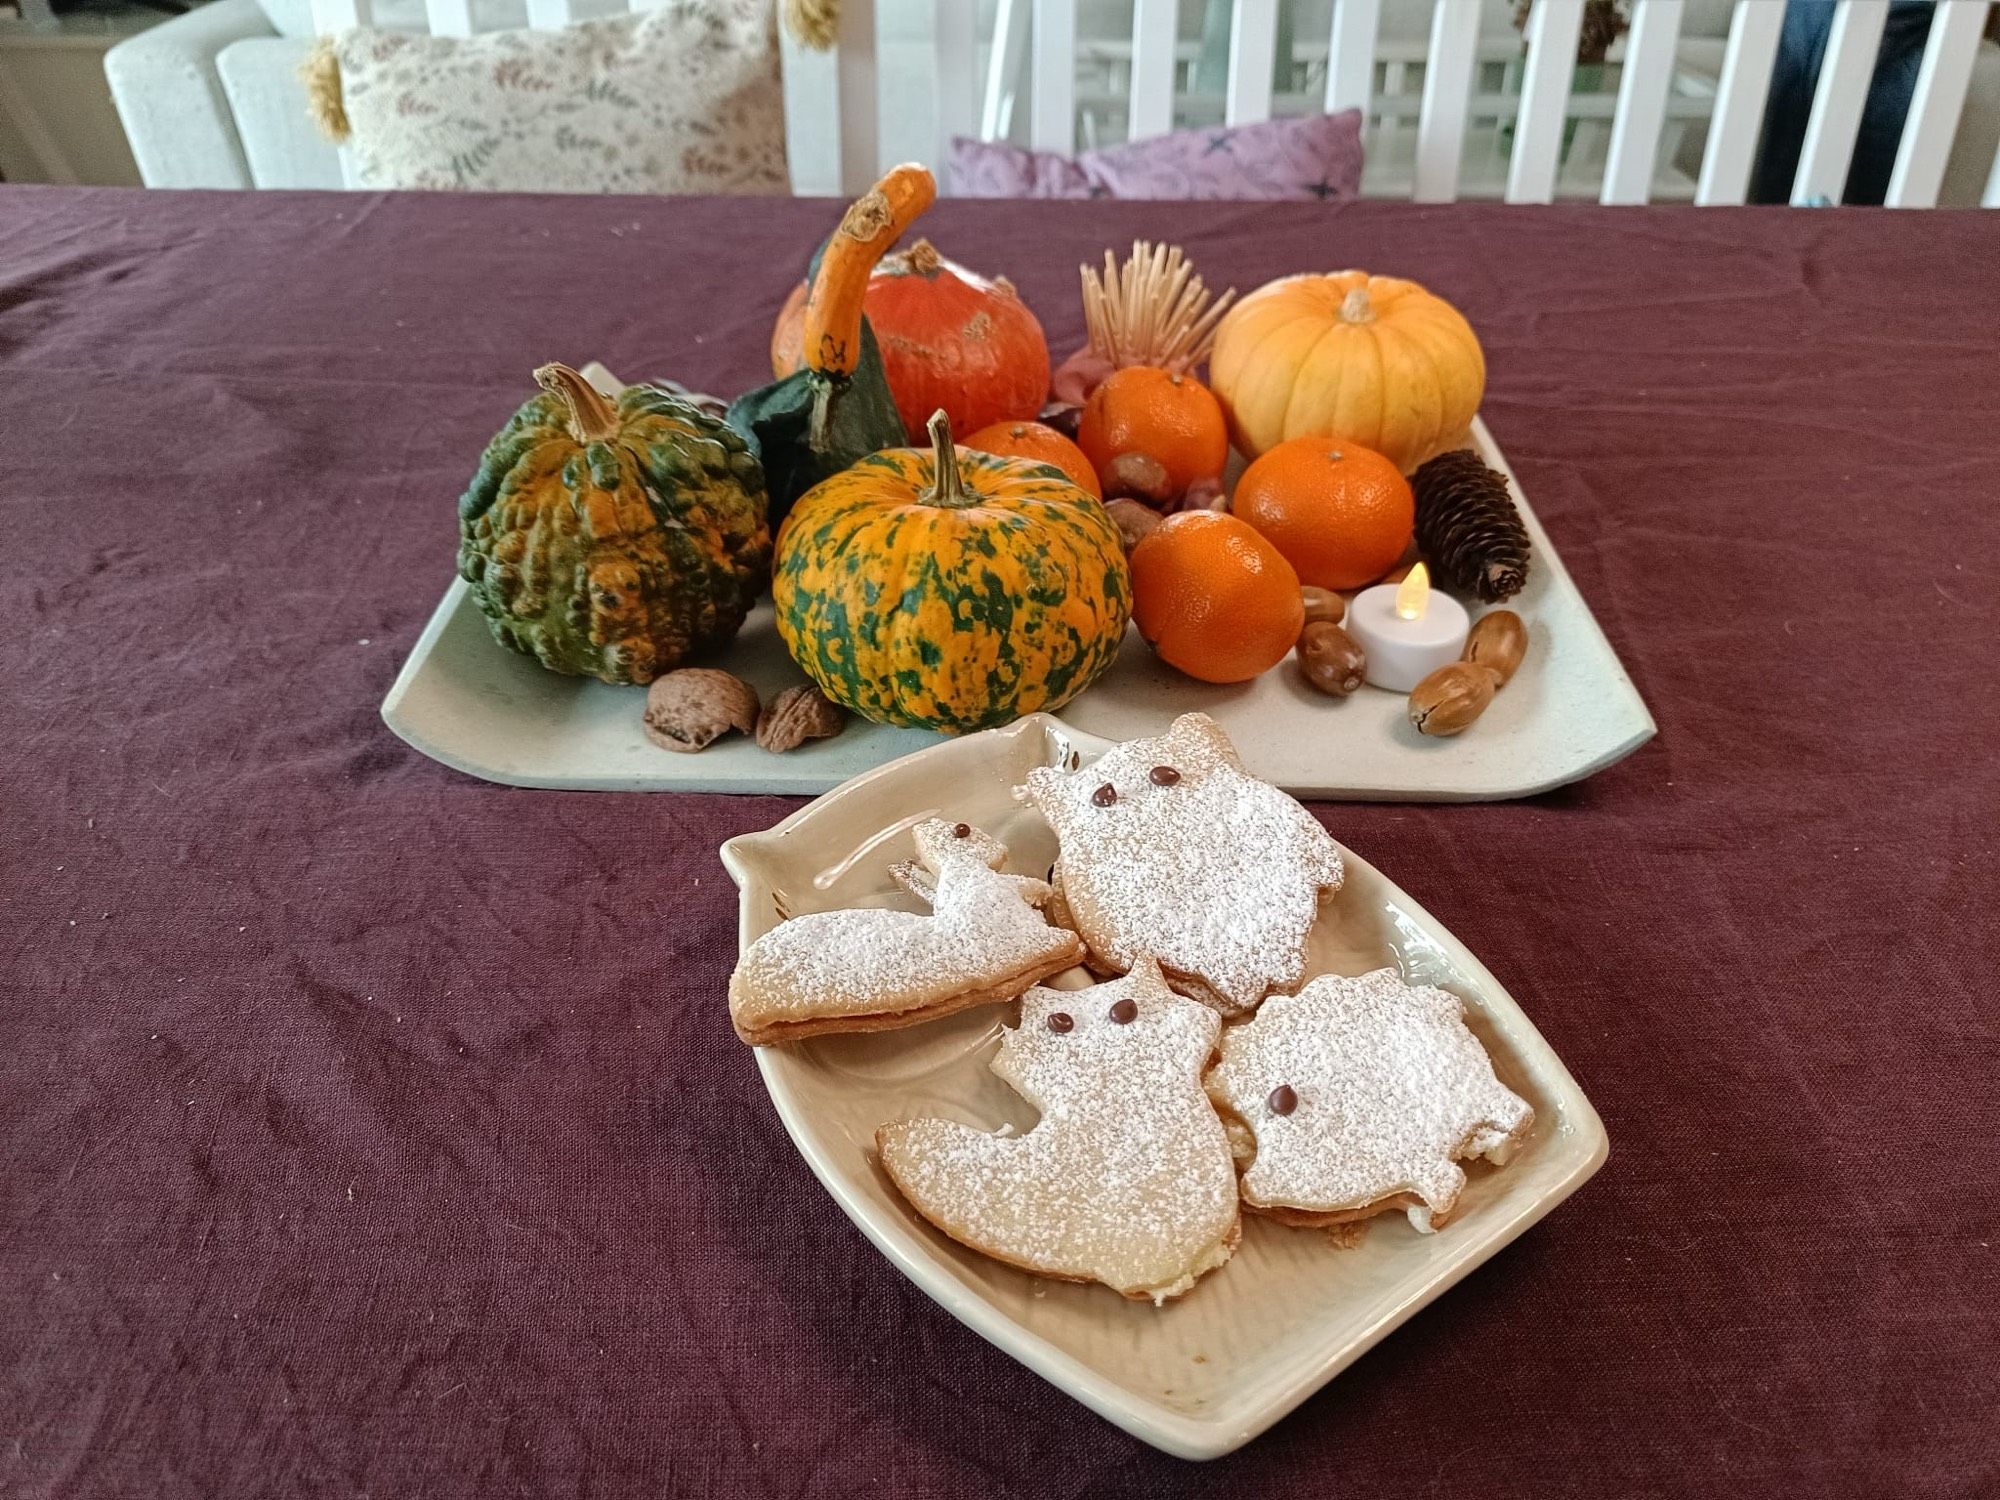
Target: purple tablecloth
point(369, 1130)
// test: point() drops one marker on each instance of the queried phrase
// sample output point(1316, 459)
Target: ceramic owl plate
point(1205, 1374)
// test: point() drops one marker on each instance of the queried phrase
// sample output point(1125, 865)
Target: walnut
point(690, 709)
point(796, 715)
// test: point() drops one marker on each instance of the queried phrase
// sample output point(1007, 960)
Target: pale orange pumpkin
point(1372, 360)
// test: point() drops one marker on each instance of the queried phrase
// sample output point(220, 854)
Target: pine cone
point(1468, 529)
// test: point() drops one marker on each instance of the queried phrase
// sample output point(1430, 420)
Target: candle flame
point(1413, 594)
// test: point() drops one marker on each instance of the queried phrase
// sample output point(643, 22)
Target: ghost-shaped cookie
point(869, 969)
point(1362, 1095)
point(1127, 1178)
point(1169, 847)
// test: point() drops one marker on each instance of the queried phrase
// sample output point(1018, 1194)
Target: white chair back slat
point(1740, 95)
point(954, 66)
point(860, 98)
point(1052, 89)
point(330, 17)
point(1851, 46)
point(449, 17)
point(550, 15)
point(1553, 28)
point(1155, 27)
point(1936, 105)
point(1641, 109)
point(1991, 197)
point(1253, 53)
point(1003, 69)
point(831, 129)
point(1446, 101)
point(1350, 56)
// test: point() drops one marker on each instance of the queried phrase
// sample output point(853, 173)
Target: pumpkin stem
point(592, 419)
point(947, 484)
point(922, 258)
point(1355, 308)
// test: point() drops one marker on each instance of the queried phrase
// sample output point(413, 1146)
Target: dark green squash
point(610, 540)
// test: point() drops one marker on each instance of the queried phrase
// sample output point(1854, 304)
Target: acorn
point(1323, 604)
point(1498, 641)
point(1447, 701)
point(1330, 659)
point(1133, 518)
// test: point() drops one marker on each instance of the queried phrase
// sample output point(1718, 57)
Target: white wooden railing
point(834, 103)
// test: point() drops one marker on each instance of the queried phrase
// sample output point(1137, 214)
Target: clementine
point(1153, 434)
point(1043, 444)
point(1342, 514)
point(1214, 598)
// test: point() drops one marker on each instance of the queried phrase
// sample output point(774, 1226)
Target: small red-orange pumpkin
point(950, 339)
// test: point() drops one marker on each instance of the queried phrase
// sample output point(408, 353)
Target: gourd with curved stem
point(610, 538)
point(950, 590)
point(837, 407)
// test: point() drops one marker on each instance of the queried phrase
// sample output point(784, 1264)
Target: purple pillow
point(1315, 157)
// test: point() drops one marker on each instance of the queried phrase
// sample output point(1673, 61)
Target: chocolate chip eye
point(1060, 1021)
point(1163, 775)
point(1284, 1099)
point(1125, 1012)
point(962, 831)
point(1105, 795)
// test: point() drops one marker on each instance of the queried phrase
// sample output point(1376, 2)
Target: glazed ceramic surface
point(469, 702)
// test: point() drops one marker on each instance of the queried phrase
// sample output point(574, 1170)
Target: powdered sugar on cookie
point(1170, 848)
point(866, 969)
point(1363, 1093)
point(939, 843)
point(1126, 1179)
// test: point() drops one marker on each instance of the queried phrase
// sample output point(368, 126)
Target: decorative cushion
point(684, 98)
point(1315, 157)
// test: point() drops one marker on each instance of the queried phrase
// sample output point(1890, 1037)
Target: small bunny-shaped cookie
point(868, 969)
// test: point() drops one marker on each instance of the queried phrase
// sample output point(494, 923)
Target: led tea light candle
point(1407, 630)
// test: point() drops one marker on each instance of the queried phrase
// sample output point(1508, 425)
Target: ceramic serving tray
point(463, 699)
point(1205, 1374)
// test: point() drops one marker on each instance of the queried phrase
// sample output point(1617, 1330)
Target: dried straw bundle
point(1155, 311)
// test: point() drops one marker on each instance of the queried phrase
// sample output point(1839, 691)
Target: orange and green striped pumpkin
point(954, 591)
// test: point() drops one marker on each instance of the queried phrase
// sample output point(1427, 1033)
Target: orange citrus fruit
point(1143, 413)
point(1214, 598)
point(1341, 513)
point(1043, 444)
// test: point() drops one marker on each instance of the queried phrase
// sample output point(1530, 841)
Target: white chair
point(835, 101)
point(1043, 32)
